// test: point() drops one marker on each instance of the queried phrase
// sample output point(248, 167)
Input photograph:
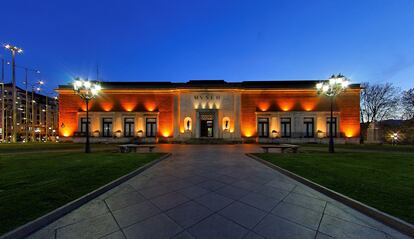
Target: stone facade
point(238, 112)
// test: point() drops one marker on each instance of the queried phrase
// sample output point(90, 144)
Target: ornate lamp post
point(86, 90)
point(331, 88)
point(14, 50)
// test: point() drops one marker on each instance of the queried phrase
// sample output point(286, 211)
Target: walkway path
point(214, 191)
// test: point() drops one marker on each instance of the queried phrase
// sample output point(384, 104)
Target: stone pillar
point(197, 124)
point(140, 124)
point(95, 122)
point(237, 115)
point(176, 125)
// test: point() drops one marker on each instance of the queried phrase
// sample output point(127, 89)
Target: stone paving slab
point(213, 191)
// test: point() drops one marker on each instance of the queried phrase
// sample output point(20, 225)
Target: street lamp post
point(331, 88)
point(49, 124)
point(46, 120)
point(33, 113)
point(37, 88)
point(2, 102)
point(14, 50)
point(2, 112)
point(27, 102)
point(86, 90)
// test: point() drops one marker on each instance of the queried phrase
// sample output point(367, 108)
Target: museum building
point(248, 111)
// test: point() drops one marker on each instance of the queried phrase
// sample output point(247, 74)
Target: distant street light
point(394, 138)
point(86, 90)
point(331, 88)
point(14, 50)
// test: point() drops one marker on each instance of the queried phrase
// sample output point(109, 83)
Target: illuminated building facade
point(249, 111)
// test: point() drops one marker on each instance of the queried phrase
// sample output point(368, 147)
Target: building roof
point(216, 84)
point(42, 97)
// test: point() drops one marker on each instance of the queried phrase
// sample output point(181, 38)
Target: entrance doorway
point(206, 128)
point(206, 124)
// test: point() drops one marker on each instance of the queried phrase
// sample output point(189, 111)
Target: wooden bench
point(126, 148)
point(282, 147)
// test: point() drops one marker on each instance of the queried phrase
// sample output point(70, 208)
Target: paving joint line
point(267, 213)
point(320, 220)
point(116, 221)
point(359, 224)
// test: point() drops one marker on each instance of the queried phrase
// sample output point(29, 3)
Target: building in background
point(249, 111)
point(44, 110)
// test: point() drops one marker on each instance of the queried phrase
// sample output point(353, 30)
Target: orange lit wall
point(349, 123)
point(71, 104)
point(285, 101)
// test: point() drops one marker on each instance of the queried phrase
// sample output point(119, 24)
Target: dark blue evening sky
point(367, 40)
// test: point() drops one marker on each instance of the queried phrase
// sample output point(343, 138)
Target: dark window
point(263, 127)
point(151, 126)
point(309, 127)
point(106, 127)
point(334, 128)
point(83, 125)
point(286, 127)
point(129, 126)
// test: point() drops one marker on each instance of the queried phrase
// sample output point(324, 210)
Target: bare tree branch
point(407, 103)
point(378, 102)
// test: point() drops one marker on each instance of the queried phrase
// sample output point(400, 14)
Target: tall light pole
point(34, 88)
point(26, 82)
point(2, 112)
point(49, 124)
point(86, 90)
point(14, 50)
point(46, 119)
point(331, 88)
point(2, 101)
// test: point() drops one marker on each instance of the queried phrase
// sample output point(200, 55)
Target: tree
point(407, 103)
point(378, 102)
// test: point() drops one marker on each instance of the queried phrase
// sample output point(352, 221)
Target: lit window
point(106, 127)
point(151, 127)
point(334, 127)
point(83, 125)
point(263, 127)
point(129, 126)
point(286, 127)
point(309, 127)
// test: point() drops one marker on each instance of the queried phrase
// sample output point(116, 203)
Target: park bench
point(126, 148)
point(282, 147)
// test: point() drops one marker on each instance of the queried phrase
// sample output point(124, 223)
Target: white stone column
point(237, 115)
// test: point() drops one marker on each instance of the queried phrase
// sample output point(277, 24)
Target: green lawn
point(36, 147)
point(34, 184)
point(363, 147)
point(382, 180)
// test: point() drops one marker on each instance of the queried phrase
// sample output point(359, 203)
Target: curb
point(378, 215)
point(50, 217)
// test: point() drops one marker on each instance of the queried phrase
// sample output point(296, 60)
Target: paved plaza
point(213, 191)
